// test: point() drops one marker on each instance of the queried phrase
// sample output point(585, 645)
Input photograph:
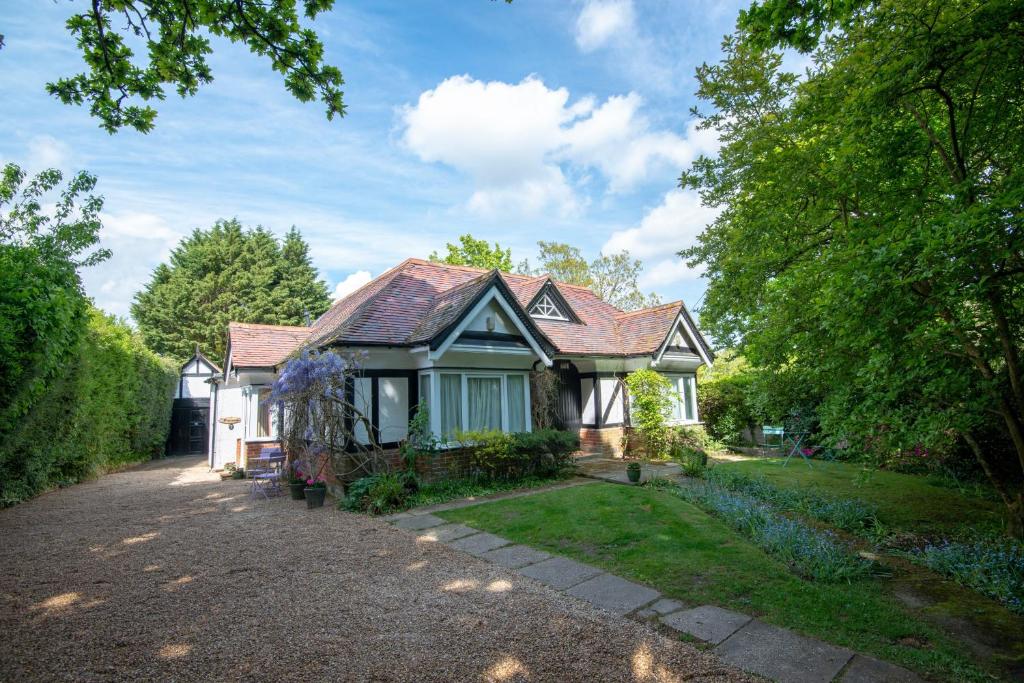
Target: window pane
point(677, 404)
point(484, 396)
point(689, 386)
point(516, 403)
point(263, 421)
point(451, 405)
point(424, 396)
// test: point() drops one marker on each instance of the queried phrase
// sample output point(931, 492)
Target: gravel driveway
point(164, 572)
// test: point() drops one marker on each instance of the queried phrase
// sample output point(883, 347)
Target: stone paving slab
point(446, 533)
point(864, 669)
point(516, 556)
point(390, 519)
point(417, 522)
point(614, 594)
point(707, 622)
point(560, 572)
point(478, 544)
point(782, 655)
point(666, 606)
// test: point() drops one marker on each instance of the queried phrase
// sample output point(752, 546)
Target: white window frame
point(546, 300)
point(252, 415)
point(434, 401)
point(680, 399)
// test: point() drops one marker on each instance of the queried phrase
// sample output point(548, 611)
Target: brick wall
point(607, 441)
point(253, 448)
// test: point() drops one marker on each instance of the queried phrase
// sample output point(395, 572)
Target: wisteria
point(321, 418)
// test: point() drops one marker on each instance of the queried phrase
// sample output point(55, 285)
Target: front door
point(568, 408)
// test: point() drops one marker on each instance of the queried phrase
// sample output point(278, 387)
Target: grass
point(452, 489)
point(656, 538)
point(904, 501)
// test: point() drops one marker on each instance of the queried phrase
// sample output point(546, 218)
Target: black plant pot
point(315, 496)
point(298, 490)
point(633, 473)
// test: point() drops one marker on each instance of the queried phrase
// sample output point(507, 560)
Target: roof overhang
point(684, 321)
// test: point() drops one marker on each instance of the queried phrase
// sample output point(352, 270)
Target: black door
point(568, 411)
point(189, 427)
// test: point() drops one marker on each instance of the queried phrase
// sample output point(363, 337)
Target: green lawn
point(904, 501)
point(658, 539)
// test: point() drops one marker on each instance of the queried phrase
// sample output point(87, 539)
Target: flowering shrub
point(993, 568)
point(650, 400)
point(811, 553)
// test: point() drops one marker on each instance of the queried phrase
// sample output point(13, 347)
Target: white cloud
point(46, 151)
point(351, 283)
point(518, 142)
point(600, 20)
point(666, 229)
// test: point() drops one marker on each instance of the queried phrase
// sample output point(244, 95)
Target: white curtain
point(516, 403)
point(484, 396)
point(451, 404)
point(689, 391)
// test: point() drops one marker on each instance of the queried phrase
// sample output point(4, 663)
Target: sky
point(562, 120)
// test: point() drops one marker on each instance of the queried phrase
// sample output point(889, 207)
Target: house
point(463, 341)
point(190, 412)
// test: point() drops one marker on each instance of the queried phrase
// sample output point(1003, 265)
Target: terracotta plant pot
point(298, 490)
point(315, 496)
point(633, 472)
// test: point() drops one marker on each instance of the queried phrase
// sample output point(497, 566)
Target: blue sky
point(544, 119)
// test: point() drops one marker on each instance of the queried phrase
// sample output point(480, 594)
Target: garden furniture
point(770, 430)
point(794, 441)
point(266, 480)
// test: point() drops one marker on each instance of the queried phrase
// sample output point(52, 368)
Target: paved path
point(739, 639)
point(166, 573)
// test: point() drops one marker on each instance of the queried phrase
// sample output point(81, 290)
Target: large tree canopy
point(870, 236)
point(227, 274)
point(118, 85)
point(612, 277)
point(477, 253)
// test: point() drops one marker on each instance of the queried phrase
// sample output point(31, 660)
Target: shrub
point(723, 397)
point(650, 400)
point(693, 460)
point(376, 494)
point(549, 451)
point(497, 455)
point(811, 553)
point(994, 568)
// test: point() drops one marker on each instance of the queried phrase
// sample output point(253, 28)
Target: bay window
point(475, 400)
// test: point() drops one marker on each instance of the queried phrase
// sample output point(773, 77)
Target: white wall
point(193, 387)
point(230, 403)
point(363, 395)
point(502, 324)
point(611, 403)
point(587, 395)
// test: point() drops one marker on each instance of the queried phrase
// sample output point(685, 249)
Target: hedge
point(107, 405)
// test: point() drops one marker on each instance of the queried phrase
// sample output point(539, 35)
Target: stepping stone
point(560, 572)
point(391, 519)
point(666, 606)
point(870, 670)
point(516, 556)
point(614, 594)
point(446, 533)
point(417, 522)
point(782, 655)
point(709, 623)
point(478, 544)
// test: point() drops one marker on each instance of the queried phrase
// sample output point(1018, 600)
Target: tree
point(477, 253)
point(224, 274)
point(118, 84)
point(612, 277)
point(43, 308)
point(870, 242)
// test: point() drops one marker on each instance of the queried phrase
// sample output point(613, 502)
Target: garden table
point(795, 441)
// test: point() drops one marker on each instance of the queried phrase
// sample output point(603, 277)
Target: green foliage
point(694, 461)
point(477, 253)
point(224, 274)
point(109, 405)
point(724, 397)
point(176, 35)
point(494, 454)
point(650, 402)
point(547, 452)
point(376, 494)
point(612, 277)
point(869, 249)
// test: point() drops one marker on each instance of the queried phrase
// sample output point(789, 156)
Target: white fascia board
point(491, 295)
point(681, 321)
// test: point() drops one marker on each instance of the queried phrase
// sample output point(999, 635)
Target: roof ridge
point(670, 304)
point(439, 264)
point(265, 325)
point(355, 291)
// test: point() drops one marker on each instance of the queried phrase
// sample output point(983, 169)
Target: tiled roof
point(417, 299)
point(263, 346)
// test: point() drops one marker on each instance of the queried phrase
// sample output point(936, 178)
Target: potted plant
point(316, 490)
point(296, 482)
point(633, 471)
point(239, 473)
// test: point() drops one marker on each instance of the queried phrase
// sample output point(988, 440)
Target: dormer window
point(545, 308)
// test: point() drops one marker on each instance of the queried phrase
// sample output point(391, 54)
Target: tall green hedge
point(108, 404)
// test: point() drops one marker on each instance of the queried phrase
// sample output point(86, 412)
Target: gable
point(492, 319)
point(550, 304)
point(684, 338)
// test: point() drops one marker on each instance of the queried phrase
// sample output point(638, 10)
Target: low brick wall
point(252, 449)
point(607, 440)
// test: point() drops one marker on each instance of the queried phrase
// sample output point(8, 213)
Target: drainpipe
point(213, 419)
